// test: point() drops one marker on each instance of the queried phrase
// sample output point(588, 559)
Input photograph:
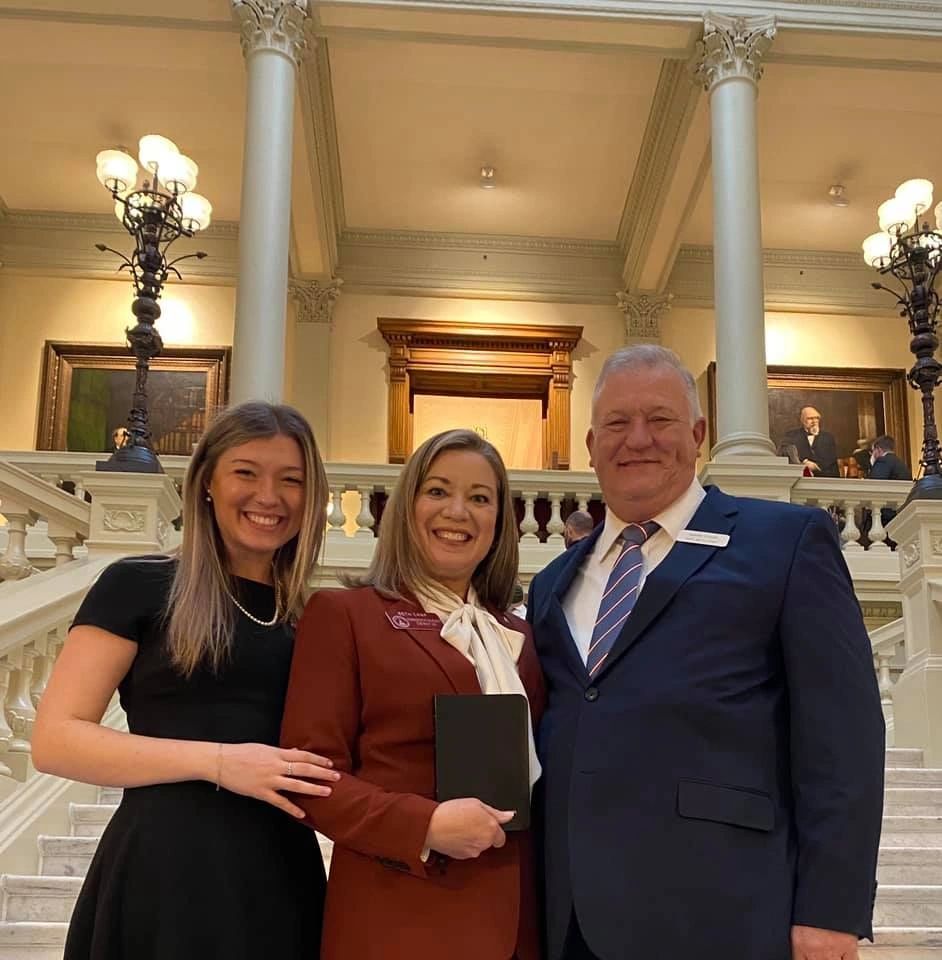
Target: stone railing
point(889, 658)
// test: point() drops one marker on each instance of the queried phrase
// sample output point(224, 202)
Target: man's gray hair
point(649, 356)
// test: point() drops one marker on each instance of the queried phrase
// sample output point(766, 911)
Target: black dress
point(183, 871)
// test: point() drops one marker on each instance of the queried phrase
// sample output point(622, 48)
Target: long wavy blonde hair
point(398, 566)
point(200, 616)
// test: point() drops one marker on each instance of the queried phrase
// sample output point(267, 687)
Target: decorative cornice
point(732, 47)
point(427, 240)
point(643, 314)
point(315, 299)
point(675, 100)
point(276, 25)
point(116, 19)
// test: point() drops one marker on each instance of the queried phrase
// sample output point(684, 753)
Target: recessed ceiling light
point(487, 178)
point(838, 194)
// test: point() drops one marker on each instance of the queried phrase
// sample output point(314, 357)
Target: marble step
point(913, 777)
point(90, 819)
point(110, 795)
point(908, 906)
point(65, 856)
point(903, 757)
point(38, 899)
point(32, 941)
point(911, 831)
point(913, 801)
point(903, 943)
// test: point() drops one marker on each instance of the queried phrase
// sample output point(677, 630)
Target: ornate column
point(314, 306)
point(643, 314)
point(729, 64)
point(273, 43)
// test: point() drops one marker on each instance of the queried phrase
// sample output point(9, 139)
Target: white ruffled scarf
point(492, 648)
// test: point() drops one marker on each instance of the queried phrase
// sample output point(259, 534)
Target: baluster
point(877, 530)
point(881, 663)
point(584, 503)
point(365, 518)
point(555, 526)
point(20, 710)
point(336, 519)
point(851, 533)
point(14, 565)
point(64, 547)
point(528, 525)
point(42, 667)
point(6, 733)
point(79, 486)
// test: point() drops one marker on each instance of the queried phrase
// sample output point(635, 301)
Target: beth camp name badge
point(703, 537)
point(407, 620)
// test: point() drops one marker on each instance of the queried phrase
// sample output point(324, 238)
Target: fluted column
point(273, 43)
point(730, 65)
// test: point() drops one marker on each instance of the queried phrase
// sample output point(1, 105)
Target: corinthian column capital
point(732, 47)
point(315, 299)
point(272, 25)
point(643, 314)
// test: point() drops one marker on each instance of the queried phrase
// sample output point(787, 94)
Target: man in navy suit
point(713, 746)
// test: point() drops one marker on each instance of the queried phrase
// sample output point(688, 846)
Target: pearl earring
point(209, 498)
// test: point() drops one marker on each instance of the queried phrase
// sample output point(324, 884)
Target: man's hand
point(813, 943)
point(812, 465)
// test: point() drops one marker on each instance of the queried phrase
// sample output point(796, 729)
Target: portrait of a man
point(816, 448)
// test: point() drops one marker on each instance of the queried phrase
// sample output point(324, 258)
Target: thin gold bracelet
point(218, 765)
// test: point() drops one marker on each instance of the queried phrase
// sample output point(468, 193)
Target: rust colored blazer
point(361, 692)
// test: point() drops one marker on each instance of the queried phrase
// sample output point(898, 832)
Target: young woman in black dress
point(205, 858)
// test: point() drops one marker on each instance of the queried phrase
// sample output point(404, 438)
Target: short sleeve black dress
point(183, 871)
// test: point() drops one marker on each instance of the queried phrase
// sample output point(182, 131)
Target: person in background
point(861, 455)
point(817, 449)
point(886, 465)
point(410, 878)
point(205, 858)
point(713, 742)
point(518, 606)
point(579, 524)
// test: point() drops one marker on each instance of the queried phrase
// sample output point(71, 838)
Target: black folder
point(482, 750)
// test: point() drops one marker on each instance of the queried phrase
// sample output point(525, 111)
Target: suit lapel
point(457, 668)
point(716, 514)
point(556, 622)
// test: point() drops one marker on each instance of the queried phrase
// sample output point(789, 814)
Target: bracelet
point(218, 765)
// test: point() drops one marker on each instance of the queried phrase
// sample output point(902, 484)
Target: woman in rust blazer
point(412, 878)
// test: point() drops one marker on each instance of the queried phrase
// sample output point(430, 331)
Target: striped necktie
point(620, 594)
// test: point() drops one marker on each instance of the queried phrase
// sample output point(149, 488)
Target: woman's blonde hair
point(200, 616)
point(398, 566)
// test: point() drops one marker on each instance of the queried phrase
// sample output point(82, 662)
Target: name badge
point(407, 620)
point(703, 537)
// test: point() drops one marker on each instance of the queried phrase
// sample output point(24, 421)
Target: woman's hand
point(257, 770)
point(464, 829)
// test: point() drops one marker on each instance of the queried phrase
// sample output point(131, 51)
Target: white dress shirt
point(581, 603)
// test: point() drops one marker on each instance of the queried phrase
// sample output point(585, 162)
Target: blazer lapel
point(407, 616)
point(716, 514)
point(555, 617)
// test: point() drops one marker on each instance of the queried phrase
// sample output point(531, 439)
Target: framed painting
point(86, 394)
point(856, 405)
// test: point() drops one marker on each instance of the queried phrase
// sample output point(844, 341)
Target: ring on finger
point(290, 768)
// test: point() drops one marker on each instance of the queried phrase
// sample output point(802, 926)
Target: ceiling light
point(487, 178)
point(838, 194)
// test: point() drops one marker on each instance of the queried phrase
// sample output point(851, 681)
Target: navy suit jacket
point(721, 776)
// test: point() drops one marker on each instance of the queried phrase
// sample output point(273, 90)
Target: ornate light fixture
point(907, 249)
point(156, 213)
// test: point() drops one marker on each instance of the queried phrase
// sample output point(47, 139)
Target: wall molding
point(118, 20)
point(801, 280)
point(57, 243)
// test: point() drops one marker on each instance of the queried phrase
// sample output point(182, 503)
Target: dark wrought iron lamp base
point(131, 459)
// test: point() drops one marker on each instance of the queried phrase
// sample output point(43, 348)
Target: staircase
point(35, 910)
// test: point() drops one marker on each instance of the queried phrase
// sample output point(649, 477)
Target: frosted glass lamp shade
point(116, 170)
point(916, 194)
point(153, 149)
point(876, 249)
point(178, 173)
point(197, 211)
point(895, 215)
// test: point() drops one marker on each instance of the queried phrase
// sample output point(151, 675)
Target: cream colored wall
point(357, 394)
point(805, 339)
point(34, 309)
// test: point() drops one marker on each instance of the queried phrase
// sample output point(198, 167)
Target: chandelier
point(156, 212)
point(909, 251)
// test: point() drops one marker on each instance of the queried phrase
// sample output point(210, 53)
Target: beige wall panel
point(358, 379)
point(34, 309)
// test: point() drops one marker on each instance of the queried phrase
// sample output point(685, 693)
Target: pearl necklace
point(254, 619)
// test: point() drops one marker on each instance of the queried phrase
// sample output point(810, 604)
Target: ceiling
point(402, 107)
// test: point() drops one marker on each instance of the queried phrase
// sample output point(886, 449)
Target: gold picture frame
point(86, 390)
